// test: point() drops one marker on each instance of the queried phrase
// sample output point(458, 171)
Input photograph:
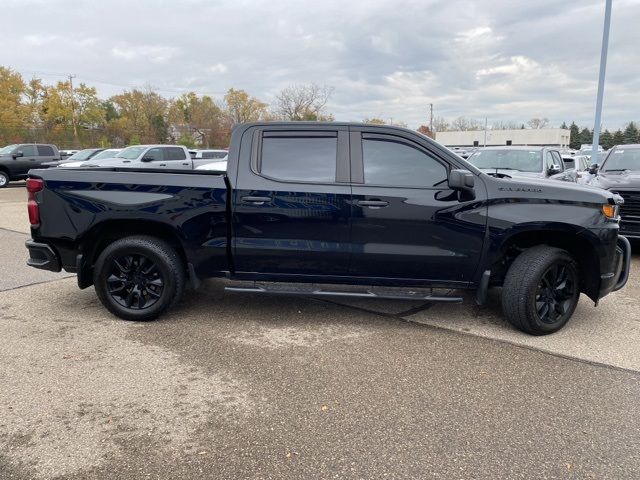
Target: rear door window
point(174, 153)
point(395, 163)
point(45, 151)
point(300, 158)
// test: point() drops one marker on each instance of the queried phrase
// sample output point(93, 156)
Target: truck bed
point(76, 208)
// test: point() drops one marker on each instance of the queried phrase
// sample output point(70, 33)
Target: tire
point(138, 278)
point(4, 179)
point(535, 301)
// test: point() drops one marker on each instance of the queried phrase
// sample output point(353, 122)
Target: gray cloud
point(501, 59)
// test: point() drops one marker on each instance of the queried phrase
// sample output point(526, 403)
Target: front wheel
point(4, 179)
point(541, 290)
point(138, 278)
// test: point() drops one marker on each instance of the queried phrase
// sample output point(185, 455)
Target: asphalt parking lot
point(237, 386)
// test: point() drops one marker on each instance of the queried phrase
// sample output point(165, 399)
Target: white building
point(557, 137)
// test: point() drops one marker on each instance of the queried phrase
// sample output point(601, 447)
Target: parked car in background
point(531, 161)
point(67, 153)
point(16, 160)
point(620, 173)
point(218, 165)
point(206, 156)
point(80, 156)
point(145, 156)
point(308, 207)
point(107, 153)
point(579, 163)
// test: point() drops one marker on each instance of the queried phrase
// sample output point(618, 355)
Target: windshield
point(8, 149)
point(521, 160)
point(211, 154)
point(82, 154)
point(623, 159)
point(131, 153)
point(106, 154)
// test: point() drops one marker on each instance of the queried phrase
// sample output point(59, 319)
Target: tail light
point(34, 185)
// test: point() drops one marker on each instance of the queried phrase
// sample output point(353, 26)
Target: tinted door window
point(302, 159)
point(174, 153)
point(45, 151)
point(400, 165)
point(155, 154)
point(27, 150)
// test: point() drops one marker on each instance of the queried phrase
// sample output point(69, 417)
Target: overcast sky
point(507, 60)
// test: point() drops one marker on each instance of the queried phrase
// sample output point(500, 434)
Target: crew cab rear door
point(292, 202)
point(407, 223)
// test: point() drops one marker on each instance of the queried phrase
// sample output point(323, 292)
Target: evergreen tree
point(618, 137)
point(574, 138)
point(606, 140)
point(631, 133)
point(586, 137)
point(564, 125)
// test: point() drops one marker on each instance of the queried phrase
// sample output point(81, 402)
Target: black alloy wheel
point(556, 292)
point(135, 282)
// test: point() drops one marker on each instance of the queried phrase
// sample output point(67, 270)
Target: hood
point(543, 188)
point(617, 180)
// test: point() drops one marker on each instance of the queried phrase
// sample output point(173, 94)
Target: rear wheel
point(541, 290)
point(4, 179)
point(138, 278)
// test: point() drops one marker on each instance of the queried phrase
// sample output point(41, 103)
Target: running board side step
point(401, 294)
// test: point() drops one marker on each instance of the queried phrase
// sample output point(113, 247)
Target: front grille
point(630, 210)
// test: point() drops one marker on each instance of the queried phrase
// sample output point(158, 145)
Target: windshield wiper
point(617, 170)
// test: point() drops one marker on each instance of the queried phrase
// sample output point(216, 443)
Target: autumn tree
point(142, 117)
point(374, 121)
point(423, 129)
point(241, 107)
point(12, 113)
point(303, 102)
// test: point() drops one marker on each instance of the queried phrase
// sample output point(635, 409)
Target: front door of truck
point(292, 202)
point(407, 224)
point(28, 160)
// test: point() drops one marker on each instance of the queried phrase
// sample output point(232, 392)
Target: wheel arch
point(101, 235)
point(577, 243)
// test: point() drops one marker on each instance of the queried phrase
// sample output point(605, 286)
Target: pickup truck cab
point(17, 160)
point(329, 209)
point(170, 157)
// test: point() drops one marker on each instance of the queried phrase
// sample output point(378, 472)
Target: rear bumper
point(42, 256)
point(618, 279)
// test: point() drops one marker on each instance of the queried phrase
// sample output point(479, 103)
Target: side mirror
point(17, 154)
point(554, 170)
point(593, 169)
point(461, 180)
point(147, 159)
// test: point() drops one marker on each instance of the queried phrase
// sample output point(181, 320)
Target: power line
point(120, 85)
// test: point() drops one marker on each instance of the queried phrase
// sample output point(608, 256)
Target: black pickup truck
point(330, 209)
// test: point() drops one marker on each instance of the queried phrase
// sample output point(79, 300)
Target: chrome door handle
point(256, 200)
point(373, 203)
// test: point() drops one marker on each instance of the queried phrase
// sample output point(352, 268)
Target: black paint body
point(315, 232)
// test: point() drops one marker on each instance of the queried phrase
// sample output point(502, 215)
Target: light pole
point(603, 68)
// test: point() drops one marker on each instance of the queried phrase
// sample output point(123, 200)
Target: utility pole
point(603, 68)
point(485, 131)
point(433, 135)
point(73, 112)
